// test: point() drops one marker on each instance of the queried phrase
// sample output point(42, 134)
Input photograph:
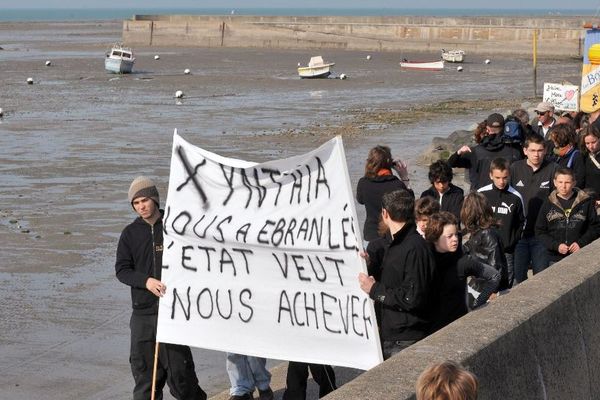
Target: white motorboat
point(421, 65)
point(317, 68)
point(119, 59)
point(455, 56)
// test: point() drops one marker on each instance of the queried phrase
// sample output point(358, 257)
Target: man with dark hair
point(567, 220)
point(478, 158)
point(139, 265)
point(447, 194)
point(406, 280)
point(508, 208)
point(532, 178)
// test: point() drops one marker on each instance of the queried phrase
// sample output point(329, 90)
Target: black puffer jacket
point(139, 257)
point(452, 270)
point(556, 226)
point(370, 191)
point(486, 246)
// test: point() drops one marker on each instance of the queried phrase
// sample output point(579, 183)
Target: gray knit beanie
point(142, 186)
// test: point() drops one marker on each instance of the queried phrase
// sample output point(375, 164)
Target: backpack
point(513, 132)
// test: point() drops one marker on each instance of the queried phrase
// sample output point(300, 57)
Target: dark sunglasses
point(541, 112)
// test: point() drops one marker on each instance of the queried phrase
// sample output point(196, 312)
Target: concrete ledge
point(558, 36)
point(540, 341)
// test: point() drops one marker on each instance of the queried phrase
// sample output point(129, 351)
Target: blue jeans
point(246, 373)
point(529, 251)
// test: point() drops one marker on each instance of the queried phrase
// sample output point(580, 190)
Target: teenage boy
point(139, 265)
point(405, 288)
point(508, 208)
point(567, 220)
point(533, 179)
point(447, 194)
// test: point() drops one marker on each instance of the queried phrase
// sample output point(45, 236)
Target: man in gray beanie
point(138, 265)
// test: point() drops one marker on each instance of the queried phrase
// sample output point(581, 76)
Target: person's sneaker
point(266, 394)
point(247, 396)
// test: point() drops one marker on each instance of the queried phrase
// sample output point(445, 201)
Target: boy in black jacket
point(442, 190)
point(567, 220)
point(509, 211)
point(138, 265)
point(406, 279)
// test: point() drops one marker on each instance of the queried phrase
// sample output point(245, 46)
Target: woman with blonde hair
point(446, 381)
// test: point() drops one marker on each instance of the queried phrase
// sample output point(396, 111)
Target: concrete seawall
point(541, 341)
point(557, 36)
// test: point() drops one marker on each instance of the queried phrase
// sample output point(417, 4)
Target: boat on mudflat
point(456, 56)
point(119, 60)
point(317, 68)
point(423, 65)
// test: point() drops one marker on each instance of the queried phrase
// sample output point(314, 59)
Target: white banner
point(262, 259)
point(563, 97)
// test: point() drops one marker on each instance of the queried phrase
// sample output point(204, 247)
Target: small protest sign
point(262, 259)
point(563, 97)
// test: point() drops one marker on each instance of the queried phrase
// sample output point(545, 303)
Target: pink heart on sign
point(569, 94)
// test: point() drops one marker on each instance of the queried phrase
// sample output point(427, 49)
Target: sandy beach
point(72, 142)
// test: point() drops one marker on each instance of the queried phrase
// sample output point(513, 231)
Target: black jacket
point(592, 174)
point(555, 226)
point(478, 160)
point(452, 270)
point(509, 211)
point(534, 187)
point(376, 251)
point(405, 287)
point(451, 201)
point(485, 245)
point(370, 191)
point(537, 128)
point(139, 257)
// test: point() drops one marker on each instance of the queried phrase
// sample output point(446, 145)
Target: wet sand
point(72, 142)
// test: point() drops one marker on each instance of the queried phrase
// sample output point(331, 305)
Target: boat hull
point(423, 66)
point(314, 72)
point(118, 66)
point(453, 58)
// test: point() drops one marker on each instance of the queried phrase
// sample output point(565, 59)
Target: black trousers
point(297, 376)
point(175, 364)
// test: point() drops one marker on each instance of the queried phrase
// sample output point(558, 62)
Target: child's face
point(441, 186)
point(422, 223)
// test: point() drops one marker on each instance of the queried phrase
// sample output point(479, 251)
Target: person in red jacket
point(139, 265)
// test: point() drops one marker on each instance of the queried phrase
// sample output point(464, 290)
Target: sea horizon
point(79, 14)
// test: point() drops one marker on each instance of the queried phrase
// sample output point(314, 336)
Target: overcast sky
point(477, 4)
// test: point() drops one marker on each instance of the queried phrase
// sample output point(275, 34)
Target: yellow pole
point(535, 33)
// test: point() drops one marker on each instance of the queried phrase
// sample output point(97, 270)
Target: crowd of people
point(533, 200)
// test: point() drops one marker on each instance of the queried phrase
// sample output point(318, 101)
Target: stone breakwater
point(557, 36)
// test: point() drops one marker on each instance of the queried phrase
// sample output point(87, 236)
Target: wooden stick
point(154, 369)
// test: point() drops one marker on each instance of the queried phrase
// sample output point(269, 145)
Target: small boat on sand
point(421, 65)
point(455, 56)
point(119, 59)
point(317, 68)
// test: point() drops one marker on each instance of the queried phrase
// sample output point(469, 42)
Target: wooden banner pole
point(154, 369)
